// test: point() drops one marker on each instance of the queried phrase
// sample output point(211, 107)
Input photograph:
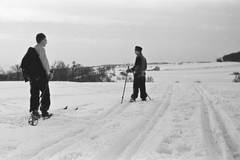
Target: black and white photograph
point(119, 80)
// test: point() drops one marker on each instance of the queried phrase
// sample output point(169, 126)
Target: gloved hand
point(51, 71)
point(50, 75)
point(129, 70)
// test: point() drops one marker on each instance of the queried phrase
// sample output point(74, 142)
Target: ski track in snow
point(129, 139)
point(55, 145)
point(184, 121)
point(220, 127)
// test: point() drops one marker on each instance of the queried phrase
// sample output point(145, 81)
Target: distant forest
point(233, 57)
point(63, 72)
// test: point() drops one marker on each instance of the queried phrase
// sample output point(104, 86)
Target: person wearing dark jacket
point(139, 71)
point(39, 76)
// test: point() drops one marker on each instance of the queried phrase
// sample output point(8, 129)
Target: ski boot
point(132, 100)
point(46, 115)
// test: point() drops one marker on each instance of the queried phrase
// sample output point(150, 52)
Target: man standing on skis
point(39, 77)
point(138, 70)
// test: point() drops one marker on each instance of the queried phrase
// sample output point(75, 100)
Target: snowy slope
point(185, 120)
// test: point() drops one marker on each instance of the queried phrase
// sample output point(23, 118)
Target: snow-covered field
point(194, 114)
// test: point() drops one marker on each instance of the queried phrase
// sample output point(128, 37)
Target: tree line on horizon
point(63, 72)
point(232, 57)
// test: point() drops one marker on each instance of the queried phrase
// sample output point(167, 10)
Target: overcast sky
point(94, 32)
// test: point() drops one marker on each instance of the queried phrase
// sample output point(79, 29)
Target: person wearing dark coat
point(39, 75)
point(139, 71)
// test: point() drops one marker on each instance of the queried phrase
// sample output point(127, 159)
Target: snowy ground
point(194, 114)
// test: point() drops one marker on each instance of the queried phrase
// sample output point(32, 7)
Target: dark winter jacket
point(32, 61)
point(140, 65)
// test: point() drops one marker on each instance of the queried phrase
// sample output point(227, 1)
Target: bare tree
point(61, 71)
point(16, 72)
point(2, 74)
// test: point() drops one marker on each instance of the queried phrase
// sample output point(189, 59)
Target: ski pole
point(124, 85)
point(41, 96)
point(149, 97)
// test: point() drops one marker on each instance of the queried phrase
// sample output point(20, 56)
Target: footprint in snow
point(72, 156)
point(175, 136)
point(167, 140)
point(184, 148)
point(163, 148)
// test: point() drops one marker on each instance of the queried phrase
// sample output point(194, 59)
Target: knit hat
point(138, 48)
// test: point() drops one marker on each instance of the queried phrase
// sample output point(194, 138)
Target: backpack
point(26, 66)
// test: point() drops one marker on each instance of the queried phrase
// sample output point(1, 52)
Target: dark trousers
point(139, 83)
point(35, 90)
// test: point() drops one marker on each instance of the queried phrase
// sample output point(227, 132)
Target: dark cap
point(138, 48)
